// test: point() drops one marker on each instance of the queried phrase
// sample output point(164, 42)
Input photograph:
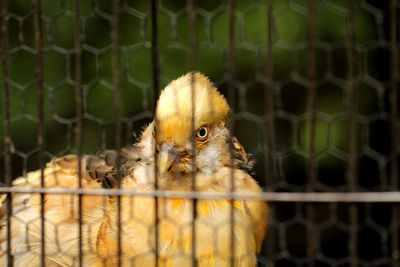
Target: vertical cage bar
point(312, 108)
point(78, 102)
point(269, 110)
point(40, 140)
point(394, 172)
point(311, 72)
point(231, 97)
point(192, 63)
point(7, 135)
point(269, 98)
point(156, 72)
point(352, 164)
point(394, 79)
point(117, 112)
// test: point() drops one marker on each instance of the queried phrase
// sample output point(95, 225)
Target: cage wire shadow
point(313, 86)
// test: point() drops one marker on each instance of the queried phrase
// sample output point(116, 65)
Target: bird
point(188, 146)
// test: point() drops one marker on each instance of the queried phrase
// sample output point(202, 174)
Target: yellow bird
point(206, 150)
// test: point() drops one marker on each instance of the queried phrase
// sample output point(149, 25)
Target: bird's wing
point(251, 216)
point(61, 211)
point(241, 157)
point(213, 223)
point(240, 153)
point(256, 210)
point(104, 168)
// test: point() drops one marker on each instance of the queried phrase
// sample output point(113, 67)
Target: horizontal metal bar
point(356, 197)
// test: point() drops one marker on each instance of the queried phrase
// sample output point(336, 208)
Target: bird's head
point(180, 137)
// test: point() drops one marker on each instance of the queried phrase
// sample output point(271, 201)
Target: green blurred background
point(290, 64)
point(290, 77)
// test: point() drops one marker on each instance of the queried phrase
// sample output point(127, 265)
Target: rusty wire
point(231, 100)
point(312, 110)
point(311, 197)
point(7, 138)
point(192, 67)
point(79, 117)
point(156, 75)
point(40, 138)
point(352, 165)
point(394, 174)
point(117, 111)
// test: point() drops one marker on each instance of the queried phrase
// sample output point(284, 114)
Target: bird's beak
point(166, 158)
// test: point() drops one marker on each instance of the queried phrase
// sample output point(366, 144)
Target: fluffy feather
point(174, 108)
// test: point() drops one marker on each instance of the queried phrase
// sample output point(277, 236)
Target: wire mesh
point(312, 85)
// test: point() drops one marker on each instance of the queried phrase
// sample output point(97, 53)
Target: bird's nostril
point(170, 167)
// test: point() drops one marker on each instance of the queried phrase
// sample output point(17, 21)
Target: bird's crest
point(174, 108)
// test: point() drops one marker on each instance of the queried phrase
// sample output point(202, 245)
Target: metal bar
point(394, 172)
point(7, 135)
point(156, 73)
point(192, 62)
point(270, 125)
point(394, 232)
point(312, 114)
point(394, 79)
point(312, 108)
point(343, 197)
point(269, 98)
point(117, 112)
point(39, 77)
point(352, 178)
point(78, 102)
point(231, 97)
point(352, 164)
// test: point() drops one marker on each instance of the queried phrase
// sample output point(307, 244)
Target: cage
point(313, 88)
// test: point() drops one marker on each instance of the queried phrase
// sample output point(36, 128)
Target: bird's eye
point(202, 133)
